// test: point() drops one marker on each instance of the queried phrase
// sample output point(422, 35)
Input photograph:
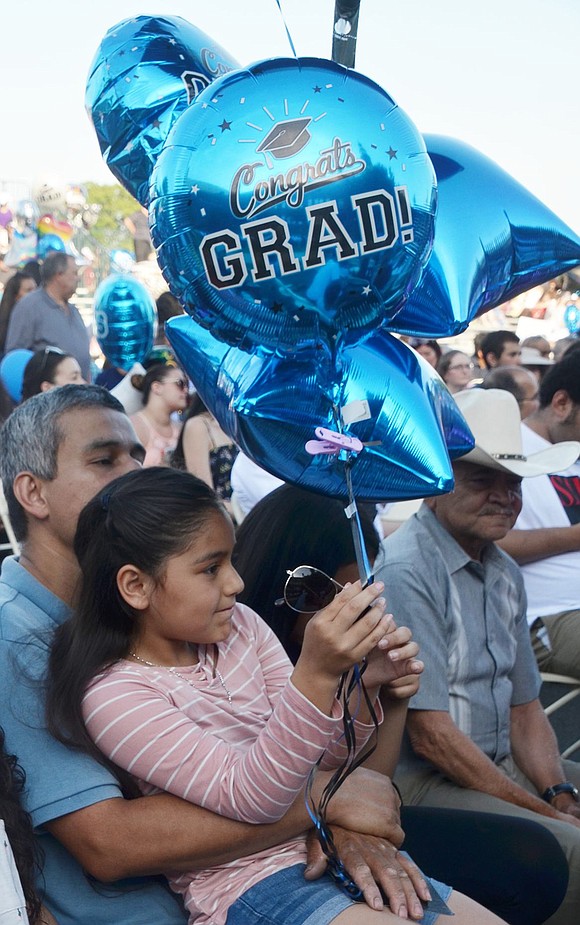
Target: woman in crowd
point(205, 450)
point(190, 692)
point(47, 369)
point(429, 349)
point(493, 859)
point(165, 390)
point(17, 286)
point(456, 370)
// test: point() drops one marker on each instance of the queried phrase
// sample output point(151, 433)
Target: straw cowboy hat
point(494, 419)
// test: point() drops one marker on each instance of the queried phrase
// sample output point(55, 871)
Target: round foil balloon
point(145, 73)
point(48, 243)
point(50, 196)
point(293, 202)
point(493, 241)
point(386, 394)
point(12, 368)
point(125, 320)
point(572, 317)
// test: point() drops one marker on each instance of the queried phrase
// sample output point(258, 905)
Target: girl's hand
point(342, 634)
point(394, 665)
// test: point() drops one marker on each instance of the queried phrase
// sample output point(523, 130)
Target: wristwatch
point(565, 787)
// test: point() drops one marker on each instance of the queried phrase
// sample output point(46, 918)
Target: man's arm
point(119, 838)
point(535, 751)
point(435, 737)
point(530, 545)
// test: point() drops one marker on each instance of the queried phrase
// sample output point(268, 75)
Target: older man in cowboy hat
point(477, 737)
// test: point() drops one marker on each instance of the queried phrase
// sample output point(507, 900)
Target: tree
point(116, 203)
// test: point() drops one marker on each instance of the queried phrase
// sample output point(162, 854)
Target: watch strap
point(565, 787)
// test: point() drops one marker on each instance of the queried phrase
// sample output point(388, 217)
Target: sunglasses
point(49, 351)
point(180, 383)
point(308, 589)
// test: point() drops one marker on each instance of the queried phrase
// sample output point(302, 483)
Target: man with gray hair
point(57, 450)
point(477, 737)
point(45, 318)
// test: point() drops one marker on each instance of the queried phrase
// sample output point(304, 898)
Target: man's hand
point(372, 863)
point(366, 802)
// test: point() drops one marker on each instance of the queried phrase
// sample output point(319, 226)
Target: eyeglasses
point(308, 589)
point(461, 366)
point(49, 351)
point(180, 383)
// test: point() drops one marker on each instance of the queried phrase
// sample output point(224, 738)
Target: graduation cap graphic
point(286, 138)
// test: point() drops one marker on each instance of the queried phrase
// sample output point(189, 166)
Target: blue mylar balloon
point(271, 405)
point(12, 368)
point(292, 203)
point(493, 240)
point(145, 73)
point(572, 317)
point(48, 243)
point(125, 320)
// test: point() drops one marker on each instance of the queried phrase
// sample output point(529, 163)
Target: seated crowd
point(159, 737)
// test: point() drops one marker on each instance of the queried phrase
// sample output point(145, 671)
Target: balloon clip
point(332, 443)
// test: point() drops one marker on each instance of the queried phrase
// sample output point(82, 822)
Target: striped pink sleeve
point(138, 727)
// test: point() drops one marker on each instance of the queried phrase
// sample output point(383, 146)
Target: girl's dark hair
point(8, 301)
point(196, 407)
point(156, 373)
point(41, 368)
point(18, 828)
point(143, 518)
point(287, 528)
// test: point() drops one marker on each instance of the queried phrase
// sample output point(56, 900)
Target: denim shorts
point(286, 898)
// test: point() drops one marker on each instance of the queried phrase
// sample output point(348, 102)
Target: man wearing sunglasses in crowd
point(46, 317)
point(477, 736)
point(56, 451)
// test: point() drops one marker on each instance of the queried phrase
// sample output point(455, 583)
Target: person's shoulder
point(31, 301)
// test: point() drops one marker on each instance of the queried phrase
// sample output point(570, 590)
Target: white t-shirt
point(552, 584)
point(12, 904)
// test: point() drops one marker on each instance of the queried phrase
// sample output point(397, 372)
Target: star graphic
point(195, 189)
point(366, 290)
point(156, 123)
point(225, 126)
point(317, 89)
point(392, 153)
point(172, 42)
point(121, 53)
point(276, 307)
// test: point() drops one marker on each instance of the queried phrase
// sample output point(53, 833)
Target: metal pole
point(345, 31)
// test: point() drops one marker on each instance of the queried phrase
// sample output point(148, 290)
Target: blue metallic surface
point(125, 320)
point(293, 204)
point(144, 74)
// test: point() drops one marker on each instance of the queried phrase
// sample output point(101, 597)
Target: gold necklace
point(177, 674)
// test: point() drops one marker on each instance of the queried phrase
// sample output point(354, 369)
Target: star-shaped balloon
point(271, 406)
point(146, 71)
point(493, 240)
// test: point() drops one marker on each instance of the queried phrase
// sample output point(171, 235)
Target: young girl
point(191, 693)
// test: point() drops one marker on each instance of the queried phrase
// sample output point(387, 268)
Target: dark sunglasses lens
point(308, 590)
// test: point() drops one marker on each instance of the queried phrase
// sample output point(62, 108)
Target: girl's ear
point(134, 586)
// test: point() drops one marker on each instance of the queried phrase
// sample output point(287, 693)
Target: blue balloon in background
point(271, 405)
point(48, 243)
point(572, 317)
point(125, 320)
point(145, 73)
point(12, 368)
point(292, 204)
point(493, 241)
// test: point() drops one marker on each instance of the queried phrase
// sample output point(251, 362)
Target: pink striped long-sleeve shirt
point(247, 760)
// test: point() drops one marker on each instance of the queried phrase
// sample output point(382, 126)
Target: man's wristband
point(565, 787)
